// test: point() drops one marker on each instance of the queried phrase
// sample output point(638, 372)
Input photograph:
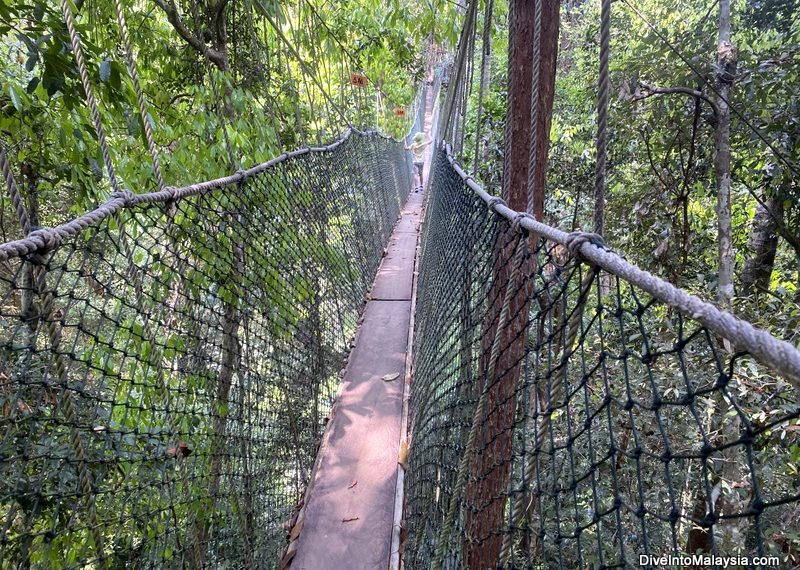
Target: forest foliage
point(661, 194)
point(274, 91)
point(271, 77)
point(165, 375)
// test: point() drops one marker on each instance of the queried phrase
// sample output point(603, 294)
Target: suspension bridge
point(317, 363)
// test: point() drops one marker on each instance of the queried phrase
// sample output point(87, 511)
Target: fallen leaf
point(353, 484)
point(351, 519)
point(402, 457)
point(391, 377)
point(180, 450)
point(287, 557)
point(296, 530)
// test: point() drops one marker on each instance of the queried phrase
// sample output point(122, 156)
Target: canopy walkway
point(170, 362)
point(315, 364)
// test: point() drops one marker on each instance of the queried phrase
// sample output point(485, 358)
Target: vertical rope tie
point(13, 191)
point(603, 86)
point(47, 297)
point(533, 150)
point(512, 27)
point(485, 54)
point(77, 50)
point(140, 99)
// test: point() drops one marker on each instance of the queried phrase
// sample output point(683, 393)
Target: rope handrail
point(571, 410)
point(780, 355)
point(168, 360)
point(44, 239)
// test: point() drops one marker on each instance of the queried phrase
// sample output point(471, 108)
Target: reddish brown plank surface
point(350, 512)
point(395, 275)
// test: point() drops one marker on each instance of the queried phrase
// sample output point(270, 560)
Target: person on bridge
point(417, 147)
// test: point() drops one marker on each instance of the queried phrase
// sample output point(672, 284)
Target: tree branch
point(653, 90)
point(214, 56)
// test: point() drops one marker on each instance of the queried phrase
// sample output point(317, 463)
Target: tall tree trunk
point(490, 467)
point(722, 469)
point(762, 245)
point(726, 71)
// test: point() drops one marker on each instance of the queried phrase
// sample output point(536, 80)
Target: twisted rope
point(779, 355)
point(533, 150)
point(45, 239)
point(77, 50)
point(603, 85)
point(512, 27)
point(140, 99)
point(485, 54)
point(13, 191)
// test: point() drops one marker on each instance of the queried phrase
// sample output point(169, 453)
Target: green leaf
point(105, 70)
point(33, 58)
point(17, 97)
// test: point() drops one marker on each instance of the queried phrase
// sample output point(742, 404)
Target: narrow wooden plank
point(395, 275)
point(348, 521)
point(409, 223)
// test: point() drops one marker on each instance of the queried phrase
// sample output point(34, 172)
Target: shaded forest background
point(279, 76)
point(276, 92)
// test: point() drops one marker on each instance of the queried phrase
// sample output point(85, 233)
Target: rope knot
point(173, 193)
point(44, 239)
point(576, 239)
point(495, 201)
point(125, 195)
point(517, 221)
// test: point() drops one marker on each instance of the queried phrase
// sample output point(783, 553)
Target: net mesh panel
point(612, 427)
point(165, 383)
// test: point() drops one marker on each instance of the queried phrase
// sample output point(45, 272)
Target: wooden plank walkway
point(349, 517)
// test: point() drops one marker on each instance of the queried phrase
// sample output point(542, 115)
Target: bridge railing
point(572, 411)
point(167, 361)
